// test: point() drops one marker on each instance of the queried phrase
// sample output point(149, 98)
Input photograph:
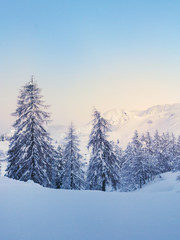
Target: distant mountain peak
point(164, 118)
point(162, 108)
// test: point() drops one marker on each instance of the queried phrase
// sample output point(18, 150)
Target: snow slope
point(161, 117)
point(164, 118)
point(166, 182)
point(29, 211)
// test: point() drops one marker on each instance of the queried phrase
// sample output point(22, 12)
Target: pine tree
point(73, 175)
point(172, 151)
point(161, 146)
point(166, 152)
point(157, 152)
point(177, 156)
point(133, 172)
point(31, 154)
point(58, 167)
point(150, 162)
point(103, 170)
point(118, 153)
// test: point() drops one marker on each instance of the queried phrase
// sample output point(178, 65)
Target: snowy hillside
point(29, 211)
point(161, 117)
point(166, 182)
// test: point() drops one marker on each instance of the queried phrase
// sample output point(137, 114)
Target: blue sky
point(106, 54)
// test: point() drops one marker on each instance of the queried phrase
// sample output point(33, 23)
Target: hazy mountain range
point(164, 118)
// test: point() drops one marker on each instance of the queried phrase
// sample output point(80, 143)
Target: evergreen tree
point(73, 175)
point(150, 162)
point(58, 167)
point(165, 145)
point(118, 153)
point(157, 152)
point(172, 151)
point(31, 154)
point(134, 169)
point(146, 157)
point(103, 170)
point(177, 156)
point(161, 148)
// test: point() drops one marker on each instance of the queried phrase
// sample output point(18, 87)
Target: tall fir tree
point(103, 170)
point(30, 153)
point(72, 174)
point(133, 174)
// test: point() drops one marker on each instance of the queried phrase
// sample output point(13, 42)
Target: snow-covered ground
point(166, 182)
point(29, 211)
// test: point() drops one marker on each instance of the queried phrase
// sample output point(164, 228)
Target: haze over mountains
point(164, 118)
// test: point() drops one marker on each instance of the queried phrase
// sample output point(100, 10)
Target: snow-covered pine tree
point(103, 170)
point(30, 153)
point(161, 146)
point(73, 175)
point(177, 156)
point(150, 160)
point(165, 149)
point(118, 152)
point(133, 171)
point(157, 152)
point(58, 167)
point(172, 151)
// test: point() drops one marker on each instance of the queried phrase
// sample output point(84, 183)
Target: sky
point(84, 54)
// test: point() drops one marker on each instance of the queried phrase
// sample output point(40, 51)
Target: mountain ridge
point(164, 118)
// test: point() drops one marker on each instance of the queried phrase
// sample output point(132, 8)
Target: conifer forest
point(32, 156)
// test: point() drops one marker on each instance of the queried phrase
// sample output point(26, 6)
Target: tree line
point(32, 156)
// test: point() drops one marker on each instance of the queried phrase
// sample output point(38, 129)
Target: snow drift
point(29, 211)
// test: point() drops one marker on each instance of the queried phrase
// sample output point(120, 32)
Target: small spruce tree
point(58, 167)
point(72, 175)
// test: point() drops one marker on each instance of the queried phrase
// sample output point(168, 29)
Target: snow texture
point(29, 211)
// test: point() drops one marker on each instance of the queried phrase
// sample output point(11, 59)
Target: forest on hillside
point(32, 156)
